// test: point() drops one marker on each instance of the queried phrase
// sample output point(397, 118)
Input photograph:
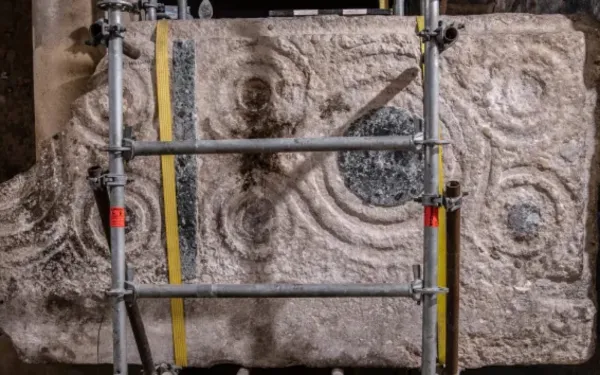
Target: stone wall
point(521, 118)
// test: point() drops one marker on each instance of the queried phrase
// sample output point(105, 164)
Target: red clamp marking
point(117, 217)
point(431, 217)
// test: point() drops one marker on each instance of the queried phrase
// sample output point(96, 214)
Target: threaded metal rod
point(271, 145)
point(272, 290)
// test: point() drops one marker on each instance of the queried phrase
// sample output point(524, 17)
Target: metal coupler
point(450, 204)
point(167, 369)
point(417, 286)
point(108, 179)
point(445, 35)
point(123, 5)
point(454, 203)
point(101, 32)
point(119, 293)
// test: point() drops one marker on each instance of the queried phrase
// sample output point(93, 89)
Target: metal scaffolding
point(109, 191)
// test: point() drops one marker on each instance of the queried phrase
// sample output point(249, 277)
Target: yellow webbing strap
point(442, 279)
point(168, 181)
point(384, 4)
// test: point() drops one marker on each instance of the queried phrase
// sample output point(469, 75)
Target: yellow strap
point(384, 4)
point(168, 180)
point(442, 257)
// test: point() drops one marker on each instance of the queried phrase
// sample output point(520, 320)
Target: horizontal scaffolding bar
point(272, 290)
point(271, 145)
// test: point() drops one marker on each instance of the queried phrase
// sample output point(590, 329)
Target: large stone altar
point(517, 100)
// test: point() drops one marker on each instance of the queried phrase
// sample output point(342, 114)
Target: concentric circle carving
point(252, 223)
point(260, 91)
point(92, 109)
point(143, 220)
point(383, 220)
point(524, 104)
point(528, 213)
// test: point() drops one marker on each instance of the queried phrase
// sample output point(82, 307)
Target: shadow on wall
point(17, 127)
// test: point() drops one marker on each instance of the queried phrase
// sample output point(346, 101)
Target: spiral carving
point(259, 91)
point(92, 109)
point(251, 223)
point(143, 219)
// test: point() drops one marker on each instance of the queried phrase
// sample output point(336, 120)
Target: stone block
point(517, 102)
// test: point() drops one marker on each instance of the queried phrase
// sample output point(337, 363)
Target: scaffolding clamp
point(122, 5)
point(101, 32)
point(130, 295)
point(119, 294)
point(445, 35)
point(146, 4)
point(108, 179)
point(453, 203)
point(434, 200)
point(167, 369)
point(417, 289)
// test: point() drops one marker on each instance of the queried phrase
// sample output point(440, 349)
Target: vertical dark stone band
point(186, 169)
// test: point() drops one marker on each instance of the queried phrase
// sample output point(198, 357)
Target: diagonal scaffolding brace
point(122, 147)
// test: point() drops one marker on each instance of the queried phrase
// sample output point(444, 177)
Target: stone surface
point(521, 119)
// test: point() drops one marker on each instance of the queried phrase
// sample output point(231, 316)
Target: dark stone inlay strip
point(183, 100)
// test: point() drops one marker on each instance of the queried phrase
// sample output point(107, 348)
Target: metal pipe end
point(450, 34)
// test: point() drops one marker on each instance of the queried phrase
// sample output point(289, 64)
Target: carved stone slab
point(517, 103)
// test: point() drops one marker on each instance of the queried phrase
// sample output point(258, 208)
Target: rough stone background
point(523, 145)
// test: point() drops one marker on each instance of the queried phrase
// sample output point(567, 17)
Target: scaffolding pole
point(182, 9)
point(274, 290)
point(272, 145)
point(151, 6)
point(116, 178)
point(430, 191)
point(399, 7)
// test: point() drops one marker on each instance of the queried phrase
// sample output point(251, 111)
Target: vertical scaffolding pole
point(182, 9)
point(399, 7)
point(117, 191)
point(151, 10)
point(431, 190)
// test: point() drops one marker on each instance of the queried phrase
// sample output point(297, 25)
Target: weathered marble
point(518, 101)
